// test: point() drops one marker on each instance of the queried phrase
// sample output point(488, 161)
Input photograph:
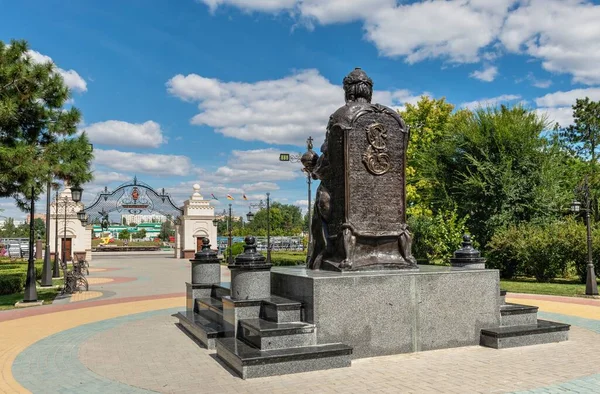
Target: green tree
point(166, 230)
point(38, 140)
point(496, 168)
point(124, 234)
point(286, 219)
point(124, 222)
point(140, 234)
point(582, 139)
point(429, 121)
point(9, 230)
point(40, 228)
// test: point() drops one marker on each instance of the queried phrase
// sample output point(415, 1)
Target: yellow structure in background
point(106, 239)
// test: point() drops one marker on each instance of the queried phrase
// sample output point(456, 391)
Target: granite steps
point(273, 342)
point(519, 326)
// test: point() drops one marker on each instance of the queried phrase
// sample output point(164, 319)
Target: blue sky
point(211, 91)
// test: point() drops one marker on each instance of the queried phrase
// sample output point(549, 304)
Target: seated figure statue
point(359, 220)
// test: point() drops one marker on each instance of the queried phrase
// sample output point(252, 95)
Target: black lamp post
point(591, 286)
point(309, 160)
point(250, 215)
point(55, 270)
point(30, 294)
point(47, 268)
point(227, 217)
point(268, 228)
point(76, 192)
point(229, 239)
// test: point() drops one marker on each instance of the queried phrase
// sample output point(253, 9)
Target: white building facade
point(75, 238)
point(196, 223)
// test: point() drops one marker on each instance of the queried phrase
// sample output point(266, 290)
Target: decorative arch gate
point(132, 197)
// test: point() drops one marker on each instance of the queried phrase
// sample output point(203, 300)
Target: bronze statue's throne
point(360, 209)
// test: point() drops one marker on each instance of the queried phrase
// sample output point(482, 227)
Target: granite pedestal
point(383, 313)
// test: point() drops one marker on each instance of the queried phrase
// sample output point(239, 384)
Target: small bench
point(75, 279)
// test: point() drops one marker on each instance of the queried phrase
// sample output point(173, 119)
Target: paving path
point(122, 338)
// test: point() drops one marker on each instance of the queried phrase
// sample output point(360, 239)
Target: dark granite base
point(281, 310)
point(195, 291)
point(204, 330)
point(517, 315)
point(266, 335)
point(249, 362)
point(390, 312)
point(543, 332)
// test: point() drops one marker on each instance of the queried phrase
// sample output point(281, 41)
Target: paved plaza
point(121, 337)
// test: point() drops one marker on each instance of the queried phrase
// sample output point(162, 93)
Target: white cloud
point(115, 132)
point(72, 79)
point(337, 11)
point(157, 165)
point(252, 5)
point(262, 186)
point(562, 99)
point(260, 165)
point(491, 101)
point(456, 30)
point(282, 111)
point(488, 74)
point(558, 105)
point(561, 115)
point(105, 177)
point(562, 33)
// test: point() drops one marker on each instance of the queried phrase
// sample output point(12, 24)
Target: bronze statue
point(359, 220)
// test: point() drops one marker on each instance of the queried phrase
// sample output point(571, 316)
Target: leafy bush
point(13, 275)
point(545, 251)
point(12, 281)
point(435, 238)
point(288, 259)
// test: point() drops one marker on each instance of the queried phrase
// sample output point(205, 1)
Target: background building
point(143, 218)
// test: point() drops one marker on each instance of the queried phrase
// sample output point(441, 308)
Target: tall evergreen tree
point(38, 135)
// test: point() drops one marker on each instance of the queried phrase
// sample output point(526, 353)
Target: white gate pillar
point(196, 222)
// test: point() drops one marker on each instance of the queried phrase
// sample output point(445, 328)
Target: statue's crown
point(357, 75)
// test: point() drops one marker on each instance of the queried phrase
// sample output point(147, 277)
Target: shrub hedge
point(13, 275)
point(288, 259)
point(545, 251)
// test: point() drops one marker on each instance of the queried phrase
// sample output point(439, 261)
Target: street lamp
point(250, 215)
point(30, 294)
point(55, 270)
point(591, 286)
point(229, 239)
point(309, 160)
point(76, 192)
point(47, 268)
point(229, 226)
point(269, 228)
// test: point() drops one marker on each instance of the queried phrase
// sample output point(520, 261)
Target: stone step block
point(517, 315)
point(200, 328)
point(249, 362)
point(502, 296)
point(220, 291)
point(268, 335)
point(281, 310)
point(543, 332)
point(211, 304)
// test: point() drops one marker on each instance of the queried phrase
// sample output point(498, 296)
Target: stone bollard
point(206, 266)
point(250, 274)
point(467, 256)
point(206, 272)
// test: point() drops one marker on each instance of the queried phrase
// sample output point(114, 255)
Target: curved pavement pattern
point(126, 341)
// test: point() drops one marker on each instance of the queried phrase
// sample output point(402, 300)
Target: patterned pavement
point(124, 340)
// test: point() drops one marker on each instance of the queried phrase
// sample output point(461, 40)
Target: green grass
point(46, 294)
point(558, 287)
